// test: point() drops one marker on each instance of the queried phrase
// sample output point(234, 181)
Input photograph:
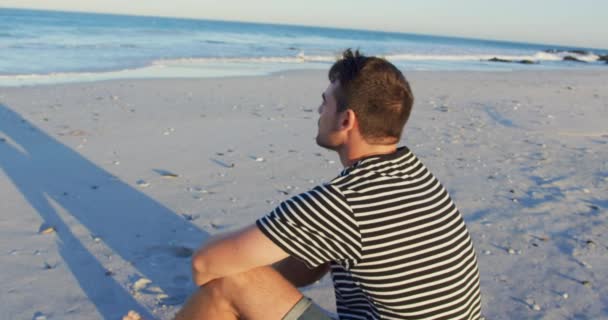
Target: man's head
point(370, 90)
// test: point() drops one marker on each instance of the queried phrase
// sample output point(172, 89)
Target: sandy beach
point(107, 187)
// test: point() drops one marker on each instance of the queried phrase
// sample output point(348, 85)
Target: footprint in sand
point(171, 298)
point(39, 316)
point(171, 250)
point(132, 315)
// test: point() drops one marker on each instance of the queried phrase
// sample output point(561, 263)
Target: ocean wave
point(51, 75)
point(303, 58)
point(300, 58)
point(202, 67)
point(66, 47)
point(538, 56)
point(213, 41)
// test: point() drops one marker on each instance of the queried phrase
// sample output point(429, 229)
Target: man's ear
point(348, 120)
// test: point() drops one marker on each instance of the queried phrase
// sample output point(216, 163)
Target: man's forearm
point(298, 274)
point(201, 272)
point(234, 253)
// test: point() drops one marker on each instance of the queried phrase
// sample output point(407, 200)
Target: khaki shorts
point(305, 309)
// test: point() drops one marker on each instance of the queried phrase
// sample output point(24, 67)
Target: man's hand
point(234, 253)
point(298, 273)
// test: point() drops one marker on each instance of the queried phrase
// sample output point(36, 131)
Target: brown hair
point(376, 91)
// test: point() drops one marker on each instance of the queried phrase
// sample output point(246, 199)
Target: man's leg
point(261, 293)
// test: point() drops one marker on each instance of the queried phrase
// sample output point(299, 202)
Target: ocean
point(51, 47)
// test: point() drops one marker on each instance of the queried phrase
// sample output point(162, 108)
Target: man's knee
point(262, 280)
point(226, 287)
point(219, 293)
point(260, 293)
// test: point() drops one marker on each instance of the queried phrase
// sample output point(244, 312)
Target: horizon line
point(563, 46)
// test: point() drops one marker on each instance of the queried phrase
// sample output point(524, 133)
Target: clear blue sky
point(578, 23)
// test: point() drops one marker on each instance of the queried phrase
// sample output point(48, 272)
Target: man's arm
point(298, 273)
point(234, 253)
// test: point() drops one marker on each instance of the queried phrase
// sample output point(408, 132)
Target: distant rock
point(603, 58)
point(581, 52)
point(495, 59)
point(571, 58)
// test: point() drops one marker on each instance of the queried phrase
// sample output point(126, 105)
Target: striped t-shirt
point(397, 245)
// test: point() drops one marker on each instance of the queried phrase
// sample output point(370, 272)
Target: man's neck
point(351, 154)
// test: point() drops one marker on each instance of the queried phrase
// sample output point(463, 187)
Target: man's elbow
point(197, 263)
point(199, 268)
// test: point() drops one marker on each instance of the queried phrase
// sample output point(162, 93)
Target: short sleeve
point(315, 227)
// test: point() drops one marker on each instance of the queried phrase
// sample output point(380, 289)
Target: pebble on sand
point(46, 229)
point(168, 175)
point(39, 316)
point(190, 217)
point(140, 284)
point(142, 183)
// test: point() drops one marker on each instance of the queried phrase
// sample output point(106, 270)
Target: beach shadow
point(595, 205)
point(64, 187)
point(542, 191)
point(222, 163)
point(478, 215)
point(567, 277)
point(499, 118)
point(521, 301)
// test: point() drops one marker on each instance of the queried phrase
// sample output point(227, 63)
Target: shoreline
point(522, 153)
point(239, 69)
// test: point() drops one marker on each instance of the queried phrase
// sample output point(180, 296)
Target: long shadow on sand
point(59, 182)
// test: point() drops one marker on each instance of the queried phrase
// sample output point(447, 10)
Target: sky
point(582, 23)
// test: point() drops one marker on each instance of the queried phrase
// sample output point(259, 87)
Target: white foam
point(539, 56)
point(300, 58)
point(303, 58)
point(241, 66)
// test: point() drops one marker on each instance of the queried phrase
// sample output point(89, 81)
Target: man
point(395, 244)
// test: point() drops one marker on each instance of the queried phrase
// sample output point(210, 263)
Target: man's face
point(328, 134)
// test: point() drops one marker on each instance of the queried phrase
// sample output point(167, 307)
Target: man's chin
point(324, 144)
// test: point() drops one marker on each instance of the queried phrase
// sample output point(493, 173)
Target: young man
point(395, 244)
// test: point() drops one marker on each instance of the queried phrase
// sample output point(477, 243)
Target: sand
point(107, 187)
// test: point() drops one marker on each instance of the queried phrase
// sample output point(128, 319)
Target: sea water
point(51, 46)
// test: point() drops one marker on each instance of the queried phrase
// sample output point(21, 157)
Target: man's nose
point(320, 109)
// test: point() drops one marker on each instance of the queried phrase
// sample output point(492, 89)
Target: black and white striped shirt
point(397, 244)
